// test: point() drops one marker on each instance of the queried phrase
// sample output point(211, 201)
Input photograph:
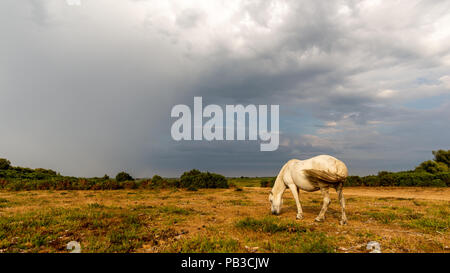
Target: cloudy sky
point(88, 90)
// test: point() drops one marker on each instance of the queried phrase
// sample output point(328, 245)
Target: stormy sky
point(88, 90)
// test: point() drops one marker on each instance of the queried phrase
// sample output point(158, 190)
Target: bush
point(157, 179)
point(442, 156)
point(4, 164)
point(123, 176)
point(197, 179)
point(129, 185)
point(157, 182)
point(444, 177)
point(431, 166)
point(46, 172)
point(192, 188)
point(401, 179)
point(437, 183)
point(267, 183)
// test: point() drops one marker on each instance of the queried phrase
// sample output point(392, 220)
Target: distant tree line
point(18, 178)
point(430, 173)
point(401, 179)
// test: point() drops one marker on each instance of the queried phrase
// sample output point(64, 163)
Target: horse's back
point(326, 163)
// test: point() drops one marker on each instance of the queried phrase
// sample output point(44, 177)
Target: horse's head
point(275, 203)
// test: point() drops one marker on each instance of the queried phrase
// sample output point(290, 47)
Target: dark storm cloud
point(88, 89)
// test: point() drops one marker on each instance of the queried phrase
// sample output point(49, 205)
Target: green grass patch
point(97, 229)
point(96, 206)
point(4, 203)
point(306, 242)
point(175, 210)
point(388, 217)
point(382, 217)
point(268, 224)
point(239, 202)
point(430, 224)
point(248, 181)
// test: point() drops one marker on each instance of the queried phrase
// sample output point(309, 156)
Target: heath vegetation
point(42, 210)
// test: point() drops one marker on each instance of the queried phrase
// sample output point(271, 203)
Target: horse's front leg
point(326, 203)
point(294, 191)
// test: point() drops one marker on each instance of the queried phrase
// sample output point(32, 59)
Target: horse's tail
point(324, 176)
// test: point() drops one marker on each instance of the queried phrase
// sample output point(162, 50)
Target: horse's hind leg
point(342, 202)
point(326, 203)
point(295, 191)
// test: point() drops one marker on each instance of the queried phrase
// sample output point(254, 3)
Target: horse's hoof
point(318, 219)
point(299, 216)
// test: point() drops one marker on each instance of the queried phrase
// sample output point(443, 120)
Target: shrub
point(156, 178)
point(46, 172)
point(110, 185)
point(444, 177)
point(437, 183)
point(401, 179)
point(431, 166)
point(267, 183)
point(442, 156)
point(129, 185)
point(4, 164)
point(197, 179)
point(123, 176)
point(157, 182)
point(192, 188)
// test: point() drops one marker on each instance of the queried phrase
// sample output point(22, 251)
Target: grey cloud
point(88, 90)
point(189, 18)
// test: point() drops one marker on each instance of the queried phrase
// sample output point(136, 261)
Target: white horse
point(317, 173)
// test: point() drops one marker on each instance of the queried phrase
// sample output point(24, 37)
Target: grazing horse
point(317, 173)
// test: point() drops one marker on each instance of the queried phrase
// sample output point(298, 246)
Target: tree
point(46, 171)
point(196, 179)
point(442, 156)
point(156, 178)
point(123, 176)
point(431, 166)
point(4, 164)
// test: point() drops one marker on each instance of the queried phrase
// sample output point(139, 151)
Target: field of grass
point(220, 220)
point(249, 181)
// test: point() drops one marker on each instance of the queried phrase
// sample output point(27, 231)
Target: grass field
point(222, 220)
point(249, 181)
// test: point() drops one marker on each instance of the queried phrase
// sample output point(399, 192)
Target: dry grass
point(220, 220)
